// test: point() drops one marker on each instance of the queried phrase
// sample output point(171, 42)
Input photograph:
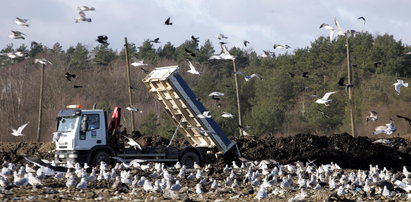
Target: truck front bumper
point(64, 156)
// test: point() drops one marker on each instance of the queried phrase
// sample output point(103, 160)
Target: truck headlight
point(72, 156)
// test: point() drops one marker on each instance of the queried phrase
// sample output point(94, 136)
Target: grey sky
point(262, 22)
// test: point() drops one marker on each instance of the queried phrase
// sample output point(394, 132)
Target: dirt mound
point(347, 151)
point(15, 151)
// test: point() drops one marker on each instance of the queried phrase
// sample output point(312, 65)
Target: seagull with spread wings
point(361, 18)
point(19, 131)
point(398, 85)
point(133, 143)
point(388, 129)
point(82, 17)
point(192, 69)
point(17, 35)
point(324, 100)
point(248, 77)
point(22, 22)
point(372, 117)
point(330, 29)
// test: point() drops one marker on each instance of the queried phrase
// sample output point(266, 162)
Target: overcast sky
point(262, 22)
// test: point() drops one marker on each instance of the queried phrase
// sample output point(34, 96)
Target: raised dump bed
point(170, 89)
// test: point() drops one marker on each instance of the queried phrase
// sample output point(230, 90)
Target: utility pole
point(40, 102)
point(350, 85)
point(130, 96)
point(237, 90)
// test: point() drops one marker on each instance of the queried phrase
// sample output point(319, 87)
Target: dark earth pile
point(343, 149)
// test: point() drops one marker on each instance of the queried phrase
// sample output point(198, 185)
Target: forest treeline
point(282, 103)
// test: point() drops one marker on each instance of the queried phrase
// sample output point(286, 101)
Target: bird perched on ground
point(330, 29)
point(372, 117)
point(19, 131)
point(245, 42)
point(192, 69)
point(22, 22)
point(204, 115)
point(388, 129)
point(133, 143)
point(69, 76)
point(133, 109)
point(398, 85)
point(281, 46)
point(405, 118)
point(361, 18)
point(17, 35)
point(83, 17)
point(102, 39)
point(221, 36)
point(168, 21)
point(42, 61)
point(324, 100)
point(248, 77)
point(86, 8)
point(227, 115)
point(156, 40)
point(189, 52)
point(138, 63)
point(195, 39)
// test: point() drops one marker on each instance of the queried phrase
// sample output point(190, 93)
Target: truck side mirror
point(84, 124)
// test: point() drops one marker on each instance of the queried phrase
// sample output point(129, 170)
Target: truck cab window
point(93, 122)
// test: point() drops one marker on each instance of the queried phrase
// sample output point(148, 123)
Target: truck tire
point(188, 159)
point(100, 156)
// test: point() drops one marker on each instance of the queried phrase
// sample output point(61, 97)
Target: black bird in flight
point(341, 82)
point(222, 42)
point(291, 74)
point(144, 70)
point(102, 39)
point(246, 43)
point(195, 39)
point(189, 52)
point(76, 86)
point(305, 75)
point(168, 21)
point(406, 118)
point(69, 76)
point(361, 18)
point(156, 40)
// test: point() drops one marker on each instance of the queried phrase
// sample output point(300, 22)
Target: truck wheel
point(189, 158)
point(100, 156)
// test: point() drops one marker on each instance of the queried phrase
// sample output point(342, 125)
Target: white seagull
point(42, 61)
point(329, 28)
point(204, 115)
point(19, 131)
point(388, 129)
point(22, 22)
point(86, 8)
point(248, 77)
point(398, 85)
point(133, 109)
point(340, 32)
point(220, 36)
point(372, 117)
point(138, 63)
point(224, 55)
point(281, 46)
point(192, 69)
point(82, 17)
point(17, 35)
point(133, 143)
point(227, 115)
point(324, 99)
point(216, 94)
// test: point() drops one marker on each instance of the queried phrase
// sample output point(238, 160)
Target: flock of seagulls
point(266, 179)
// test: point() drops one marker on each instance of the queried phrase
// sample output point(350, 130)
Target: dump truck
point(84, 136)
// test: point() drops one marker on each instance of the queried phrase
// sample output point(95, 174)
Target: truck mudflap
point(180, 102)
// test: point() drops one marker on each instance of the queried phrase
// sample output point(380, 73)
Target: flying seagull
point(281, 46)
point(69, 76)
point(82, 17)
point(189, 52)
point(156, 40)
point(205, 114)
point(227, 115)
point(168, 21)
point(133, 109)
point(388, 129)
point(361, 18)
point(133, 143)
point(41, 163)
point(330, 29)
point(16, 35)
point(102, 39)
point(19, 131)
point(340, 32)
point(245, 42)
point(138, 63)
point(192, 69)
point(22, 22)
point(398, 85)
point(324, 99)
point(224, 55)
point(42, 61)
point(216, 94)
point(372, 117)
point(267, 54)
point(405, 118)
point(195, 39)
point(248, 77)
point(221, 36)
point(86, 8)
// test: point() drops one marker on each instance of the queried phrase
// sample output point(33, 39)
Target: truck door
point(91, 132)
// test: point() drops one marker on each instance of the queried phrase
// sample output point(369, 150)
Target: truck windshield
point(66, 124)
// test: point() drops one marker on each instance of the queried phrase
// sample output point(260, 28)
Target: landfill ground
point(348, 152)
